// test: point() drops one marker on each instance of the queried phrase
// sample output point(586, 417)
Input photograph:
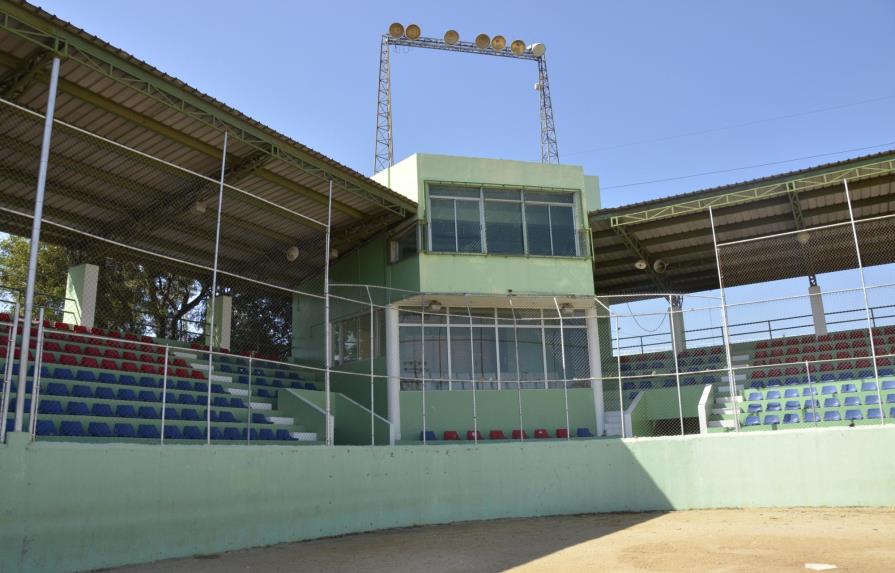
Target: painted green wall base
point(68, 507)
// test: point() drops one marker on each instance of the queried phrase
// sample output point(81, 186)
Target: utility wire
point(732, 126)
point(770, 163)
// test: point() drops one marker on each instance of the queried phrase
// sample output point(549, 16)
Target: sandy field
point(754, 540)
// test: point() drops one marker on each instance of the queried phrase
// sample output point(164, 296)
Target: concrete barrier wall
point(68, 507)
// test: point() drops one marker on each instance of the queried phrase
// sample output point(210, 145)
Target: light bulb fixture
point(803, 237)
point(566, 309)
point(641, 265)
point(198, 208)
point(434, 306)
point(292, 253)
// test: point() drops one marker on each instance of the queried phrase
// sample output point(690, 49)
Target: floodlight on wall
point(412, 32)
point(641, 265)
point(434, 306)
point(537, 49)
point(292, 253)
point(482, 41)
point(498, 43)
point(451, 37)
point(198, 208)
point(660, 266)
point(803, 237)
point(566, 309)
point(517, 47)
point(333, 253)
point(396, 30)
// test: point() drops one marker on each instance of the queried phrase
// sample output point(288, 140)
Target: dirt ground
point(757, 540)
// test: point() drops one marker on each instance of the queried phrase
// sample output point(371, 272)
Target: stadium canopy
point(109, 93)
point(677, 230)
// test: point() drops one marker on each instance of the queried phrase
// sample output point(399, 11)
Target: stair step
point(281, 420)
point(261, 406)
point(304, 436)
point(722, 424)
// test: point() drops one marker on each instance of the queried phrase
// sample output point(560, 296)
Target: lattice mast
point(485, 45)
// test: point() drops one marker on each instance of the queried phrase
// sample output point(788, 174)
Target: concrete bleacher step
point(185, 354)
point(722, 424)
point(261, 406)
point(281, 420)
point(304, 436)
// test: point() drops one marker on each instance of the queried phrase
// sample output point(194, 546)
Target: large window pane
point(503, 225)
point(410, 350)
point(444, 235)
point(461, 357)
point(577, 361)
point(562, 224)
point(531, 354)
point(537, 222)
point(485, 348)
point(469, 228)
point(506, 341)
point(553, 348)
point(435, 349)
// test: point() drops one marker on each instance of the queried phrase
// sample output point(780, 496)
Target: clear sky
point(629, 79)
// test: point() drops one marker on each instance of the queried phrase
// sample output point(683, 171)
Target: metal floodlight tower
point(399, 36)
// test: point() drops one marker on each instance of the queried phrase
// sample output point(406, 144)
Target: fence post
point(854, 230)
point(725, 333)
point(35, 245)
point(38, 363)
point(677, 372)
point(812, 391)
point(372, 372)
point(249, 406)
point(618, 356)
point(7, 375)
point(516, 352)
point(214, 286)
point(164, 393)
point(327, 327)
point(475, 413)
point(565, 381)
point(423, 369)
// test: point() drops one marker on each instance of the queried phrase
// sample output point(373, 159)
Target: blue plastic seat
point(754, 408)
point(844, 376)
point(81, 391)
point(125, 411)
point(772, 395)
point(827, 377)
point(263, 393)
point(890, 398)
point(171, 414)
point(85, 376)
point(190, 415)
point(584, 433)
point(754, 396)
point(56, 389)
point(278, 384)
point(220, 402)
point(237, 403)
point(226, 417)
point(231, 433)
point(871, 399)
point(216, 434)
point(259, 381)
point(791, 381)
point(428, 436)
point(812, 403)
point(107, 378)
point(45, 428)
point(771, 419)
point(868, 386)
point(77, 409)
point(184, 385)
point(260, 419)
point(103, 393)
point(101, 410)
point(297, 385)
point(809, 391)
point(148, 431)
point(811, 417)
point(253, 435)
point(848, 389)
point(792, 405)
point(791, 393)
point(775, 382)
point(99, 430)
point(852, 401)
point(266, 434)
point(831, 403)
point(173, 433)
point(71, 428)
point(773, 407)
point(147, 412)
point(832, 416)
point(217, 389)
point(127, 394)
point(865, 374)
point(791, 419)
point(50, 407)
point(127, 379)
point(874, 413)
point(62, 374)
point(828, 390)
point(892, 412)
point(147, 382)
point(284, 435)
point(854, 415)
point(887, 384)
point(148, 396)
point(187, 399)
point(193, 433)
point(310, 386)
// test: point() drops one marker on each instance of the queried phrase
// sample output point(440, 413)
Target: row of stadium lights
point(482, 41)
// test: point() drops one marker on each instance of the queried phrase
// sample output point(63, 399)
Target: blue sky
point(625, 77)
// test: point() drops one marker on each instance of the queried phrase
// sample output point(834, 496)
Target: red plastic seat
point(863, 363)
point(857, 334)
point(61, 326)
point(497, 435)
point(842, 355)
point(49, 358)
point(129, 356)
point(108, 364)
point(72, 348)
point(541, 433)
point(762, 344)
point(809, 348)
point(4, 317)
point(51, 346)
point(761, 354)
point(129, 367)
point(472, 435)
point(68, 360)
point(92, 351)
point(129, 346)
point(147, 358)
point(562, 433)
point(198, 375)
point(81, 329)
point(793, 351)
point(519, 434)
point(97, 331)
point(758, 374)
point(451, 436)
point(776, 352)
point(130, 336)
point(182, 373)
point(89, 362)
point(111, 353)
point(777, 343)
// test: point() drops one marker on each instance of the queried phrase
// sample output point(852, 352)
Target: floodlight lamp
point(434, 306)
point(412, 32)
point(451, 37)
point(517, 47)
point(333, 253)
point(498, 43)
point(641, 265)
point(566, 309)
point(396, 30)
point(198, 208)
point(803, 237)
point(659, 266)
point(537, 50)
point(482, 41)
point(292, 253)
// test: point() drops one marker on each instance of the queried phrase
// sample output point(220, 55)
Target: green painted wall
point(496, 410)
point(68, 507)
point(661, 404)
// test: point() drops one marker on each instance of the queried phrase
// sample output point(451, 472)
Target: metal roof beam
point(15, 82)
